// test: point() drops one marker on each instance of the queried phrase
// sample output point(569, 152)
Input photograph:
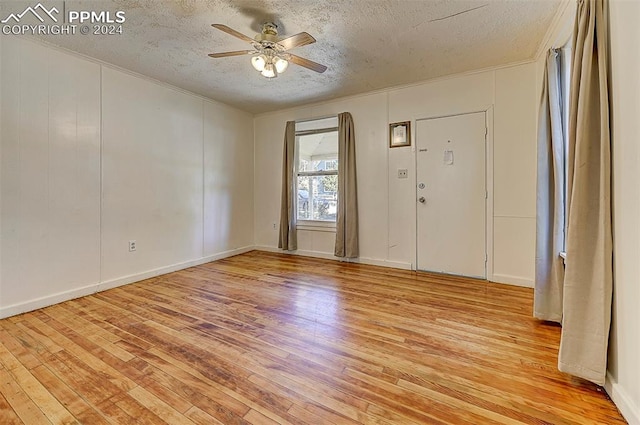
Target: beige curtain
point(288, 233)
point(588, 274)
point(550, 217)
point(347, 217)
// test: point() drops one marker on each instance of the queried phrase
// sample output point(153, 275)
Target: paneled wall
point(50, 173)
point(93, 157)
point(228, 179)
point(623, 379)
point(386, 203)
point(514, 178)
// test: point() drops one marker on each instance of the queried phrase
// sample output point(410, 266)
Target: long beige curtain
point(288, 234)
point(550, 217)
point(588, 274)
point(347, 215)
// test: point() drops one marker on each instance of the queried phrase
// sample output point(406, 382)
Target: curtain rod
point(316, 131)
point(317, 119)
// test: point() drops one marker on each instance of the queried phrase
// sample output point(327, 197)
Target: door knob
point(422, 200)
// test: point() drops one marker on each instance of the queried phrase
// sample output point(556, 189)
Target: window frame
point(305, 224)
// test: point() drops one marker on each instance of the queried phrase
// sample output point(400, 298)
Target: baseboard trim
point(512, 280)
point(125, 280)
point(625, 404)
point(38, 303)
point(314, 254)
point(498, 278)
point(382, 263)
point(328, 256)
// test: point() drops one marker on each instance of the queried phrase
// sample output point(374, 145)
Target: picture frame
point(400, 134)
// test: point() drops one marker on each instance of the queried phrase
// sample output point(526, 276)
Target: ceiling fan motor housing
point(269, 33)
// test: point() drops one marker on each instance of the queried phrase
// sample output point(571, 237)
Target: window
point(317, 170)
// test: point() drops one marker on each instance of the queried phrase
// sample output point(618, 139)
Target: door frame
point(488, 111)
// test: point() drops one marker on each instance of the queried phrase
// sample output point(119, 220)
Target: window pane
point(317, 197)
point(331, 165)
point(304, 212)
point(318, 152)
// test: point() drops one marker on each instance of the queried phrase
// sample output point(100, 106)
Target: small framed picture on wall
point(400, 134)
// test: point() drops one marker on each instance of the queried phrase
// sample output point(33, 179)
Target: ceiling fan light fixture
point(269, 71)
point(259, 62)
point(281, 65)
point(270, 55)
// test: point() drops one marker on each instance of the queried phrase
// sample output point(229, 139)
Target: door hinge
point(486, 194)
point(486, 131)
point(486, 258)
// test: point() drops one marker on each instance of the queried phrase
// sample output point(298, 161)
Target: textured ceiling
point(366, 44)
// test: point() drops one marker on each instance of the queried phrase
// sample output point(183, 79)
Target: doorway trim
point(488, 111)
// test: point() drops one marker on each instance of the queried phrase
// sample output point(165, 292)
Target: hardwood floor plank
point(15, 348)
point(313, 392)
point(114, 413)
point(265, 338)
point(7, 415)
point(221, 403)
point(256, 418)
point(200, 417)
point(20, 401)
point(498, 394)
point(42, 398)
point(162, 391)
point(314, 414)
point(158, 407)
point(72, 401)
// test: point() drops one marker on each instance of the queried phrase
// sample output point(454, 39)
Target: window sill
point(317, 226)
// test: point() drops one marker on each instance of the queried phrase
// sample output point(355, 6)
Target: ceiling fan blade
point(297, 40)
point(314, 66)
point(235, 53)
point(233, 32)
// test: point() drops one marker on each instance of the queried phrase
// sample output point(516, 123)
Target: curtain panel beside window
point(588, 282)
point(347, 245)
point(288, 234)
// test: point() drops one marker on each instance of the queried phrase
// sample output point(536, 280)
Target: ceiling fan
point(271, 56)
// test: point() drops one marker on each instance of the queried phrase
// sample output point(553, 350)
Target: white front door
point(451, 194)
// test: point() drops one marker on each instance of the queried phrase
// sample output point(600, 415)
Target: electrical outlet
point(132, 246)
point(403, 173)
point(274, 226)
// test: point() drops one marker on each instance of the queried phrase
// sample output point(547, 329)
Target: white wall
point(228, 179)
point(50, 181)
point(92, 157)
point(386, 203)
point(1, 135)
point(152, 141)
point(624, 355)
point(515, 154)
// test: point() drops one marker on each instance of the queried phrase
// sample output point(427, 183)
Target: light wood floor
point(265, 338)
